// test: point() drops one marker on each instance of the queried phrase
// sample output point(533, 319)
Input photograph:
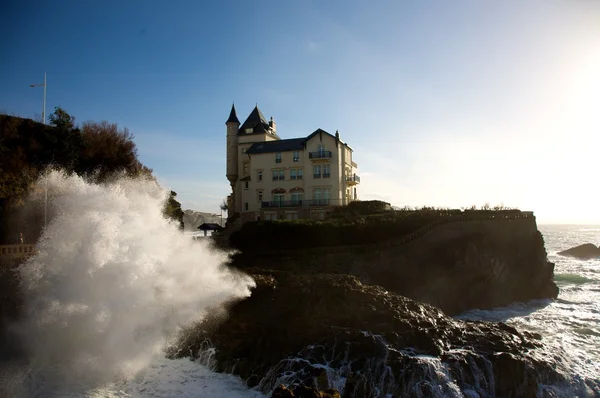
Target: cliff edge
point(457, 262)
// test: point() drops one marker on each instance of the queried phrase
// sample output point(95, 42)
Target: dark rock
point(282, 392)
point(302, 391)
point(331, 331)
point(586, 251)
point(454, 267)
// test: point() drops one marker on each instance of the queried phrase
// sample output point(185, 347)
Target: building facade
point(289, 179)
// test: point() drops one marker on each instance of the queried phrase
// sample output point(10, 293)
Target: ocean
point(104, 271)
point(570, 327)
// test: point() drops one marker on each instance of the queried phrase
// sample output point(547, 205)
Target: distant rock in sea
point(584, 252)
point(193, 219)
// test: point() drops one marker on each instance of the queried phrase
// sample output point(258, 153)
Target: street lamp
point(44, 106)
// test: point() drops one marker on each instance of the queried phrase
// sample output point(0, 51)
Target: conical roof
point(232, 116)
point(256, 121)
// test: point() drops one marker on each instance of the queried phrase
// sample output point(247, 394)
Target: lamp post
point(44, 105)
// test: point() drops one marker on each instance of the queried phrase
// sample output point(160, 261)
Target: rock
point(454, 270)
point(586, 251)
point(367, 339)
point(302, 391)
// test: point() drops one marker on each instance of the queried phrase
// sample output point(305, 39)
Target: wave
point(587, 331)
point(572, 278)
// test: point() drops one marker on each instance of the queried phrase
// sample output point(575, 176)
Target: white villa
point(289, 179)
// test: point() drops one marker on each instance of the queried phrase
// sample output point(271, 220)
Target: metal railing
point(296, 203)
point(23, 250)
point(320, 155)
point(353, 178)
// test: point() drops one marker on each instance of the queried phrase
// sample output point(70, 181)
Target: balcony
point(353, 179)
point(281, 203)
point(319, 202)
point(295, 203)
point(320, 155)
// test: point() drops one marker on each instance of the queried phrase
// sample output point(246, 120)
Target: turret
point(233, 126)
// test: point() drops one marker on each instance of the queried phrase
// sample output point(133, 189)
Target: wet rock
point(302, 391)
point(332, 331)
point(584, 252)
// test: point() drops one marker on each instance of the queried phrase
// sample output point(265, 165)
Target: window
point(321, 196)
point(249, 130)
point(278, 175)
point(317, 171)
point(278, 157)
point(246, 206)
point(259, 177)
point(326, 171)
point(296, 156)
point(317, 193)
point(321, 148)
point(296, 174)
point(270, 216)
point(246, 168)
point(246, 184)
point(260, 195)
point(291, 216)
point(278, 198)
point(297, 198)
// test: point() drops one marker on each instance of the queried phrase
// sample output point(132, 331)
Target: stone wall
point(455, 265)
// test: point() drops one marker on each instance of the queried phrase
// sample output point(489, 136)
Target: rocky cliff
point(463, 264)
point(331, 331)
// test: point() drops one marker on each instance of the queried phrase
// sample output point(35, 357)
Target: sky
point(448, 104)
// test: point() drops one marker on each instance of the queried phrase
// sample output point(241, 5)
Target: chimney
point(272, 126)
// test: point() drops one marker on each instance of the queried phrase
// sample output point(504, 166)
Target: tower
point(233, 125)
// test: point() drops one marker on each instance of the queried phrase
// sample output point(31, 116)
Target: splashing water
point(111, 282)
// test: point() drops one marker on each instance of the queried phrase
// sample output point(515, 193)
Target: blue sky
point(445, 103)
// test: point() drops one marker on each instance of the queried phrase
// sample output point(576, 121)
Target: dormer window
point(249, 130)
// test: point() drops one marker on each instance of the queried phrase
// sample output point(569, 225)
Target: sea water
point(570, 325)
point(113, 281)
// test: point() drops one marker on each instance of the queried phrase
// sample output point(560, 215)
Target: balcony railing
point(296, 177)
point(326, 175)
point(353, 179)
point(296, 203)
point(275, 178)
point(320, 155)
